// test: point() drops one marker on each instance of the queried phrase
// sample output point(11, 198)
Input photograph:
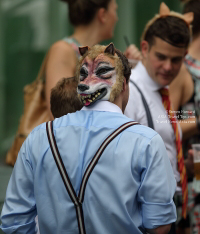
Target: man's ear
point(101, 15)
point(144, 45)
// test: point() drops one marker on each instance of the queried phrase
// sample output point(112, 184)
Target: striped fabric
point(181, 167)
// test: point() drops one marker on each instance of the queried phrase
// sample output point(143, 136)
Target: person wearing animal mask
point(93, 171)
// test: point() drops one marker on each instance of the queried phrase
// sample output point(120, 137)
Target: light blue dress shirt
point(130, 189)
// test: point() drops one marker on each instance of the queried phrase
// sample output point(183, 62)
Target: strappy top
point(193, 66)
point(74, 43)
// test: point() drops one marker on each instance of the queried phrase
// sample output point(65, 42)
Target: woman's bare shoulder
point(61, 47)
point(181, 78)
point(182, 86)
point(62, 53)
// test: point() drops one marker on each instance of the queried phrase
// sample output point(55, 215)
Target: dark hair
point(194, 6)
point(82, 12)
point(170, 29)
point(64, 98)
point(126, 64)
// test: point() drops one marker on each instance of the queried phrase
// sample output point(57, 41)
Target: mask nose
point(83, 87)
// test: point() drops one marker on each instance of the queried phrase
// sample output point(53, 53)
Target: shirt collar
point(145, 78)
point(103, 106)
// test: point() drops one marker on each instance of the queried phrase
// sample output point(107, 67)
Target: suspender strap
point(65, 177)
point(98, 155)
point(79, 200)
point(148, 113)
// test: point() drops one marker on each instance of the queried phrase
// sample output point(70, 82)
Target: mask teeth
point(91, 97)
point(86, 97)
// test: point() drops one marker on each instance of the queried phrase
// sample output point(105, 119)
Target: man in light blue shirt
point(130, 190)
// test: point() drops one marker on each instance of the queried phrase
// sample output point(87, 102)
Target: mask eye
point(83, 73)
point(104, 70)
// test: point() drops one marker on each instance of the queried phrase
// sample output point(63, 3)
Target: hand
point(189, 163)
point(132, 52)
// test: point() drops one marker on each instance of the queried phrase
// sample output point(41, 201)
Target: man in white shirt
point(164, 44)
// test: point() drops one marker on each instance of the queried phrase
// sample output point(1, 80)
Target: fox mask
point(100, 72)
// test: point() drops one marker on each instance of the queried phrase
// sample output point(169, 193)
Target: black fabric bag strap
point(148, 113)
point(78, 200)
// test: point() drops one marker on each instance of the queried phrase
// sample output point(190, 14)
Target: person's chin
point(108, 37)
point(166, 79)
point(111, 35)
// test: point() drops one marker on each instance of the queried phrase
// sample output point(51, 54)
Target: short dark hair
point(82, 12)
point(170, 29)
point(194, 6)
point(64, 97)
point(126, 64)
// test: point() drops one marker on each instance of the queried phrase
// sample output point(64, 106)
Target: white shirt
point(135, 110)
point(103, 106)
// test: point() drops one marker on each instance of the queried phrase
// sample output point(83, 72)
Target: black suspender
point(148, 113)
point(78, 200)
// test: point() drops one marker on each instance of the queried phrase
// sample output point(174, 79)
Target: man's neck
point(118, 101)
point(145, 65)
point(144, 62)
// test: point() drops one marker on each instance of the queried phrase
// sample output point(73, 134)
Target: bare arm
point(132, 52)
point(160, 230)
point(181, 90)
point(61, 63)
point(189, 163)
point(189, 127)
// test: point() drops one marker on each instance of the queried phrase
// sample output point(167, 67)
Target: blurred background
point(27, 29)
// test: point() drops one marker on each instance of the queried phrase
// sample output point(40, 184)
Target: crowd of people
point(116, 155)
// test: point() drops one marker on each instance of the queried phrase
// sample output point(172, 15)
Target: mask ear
point(110, 49)
point(188, 17)
point(164, 9)
point(83, 50)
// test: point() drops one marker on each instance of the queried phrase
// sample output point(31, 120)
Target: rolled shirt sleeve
point(158, 186)
point(19, 210)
